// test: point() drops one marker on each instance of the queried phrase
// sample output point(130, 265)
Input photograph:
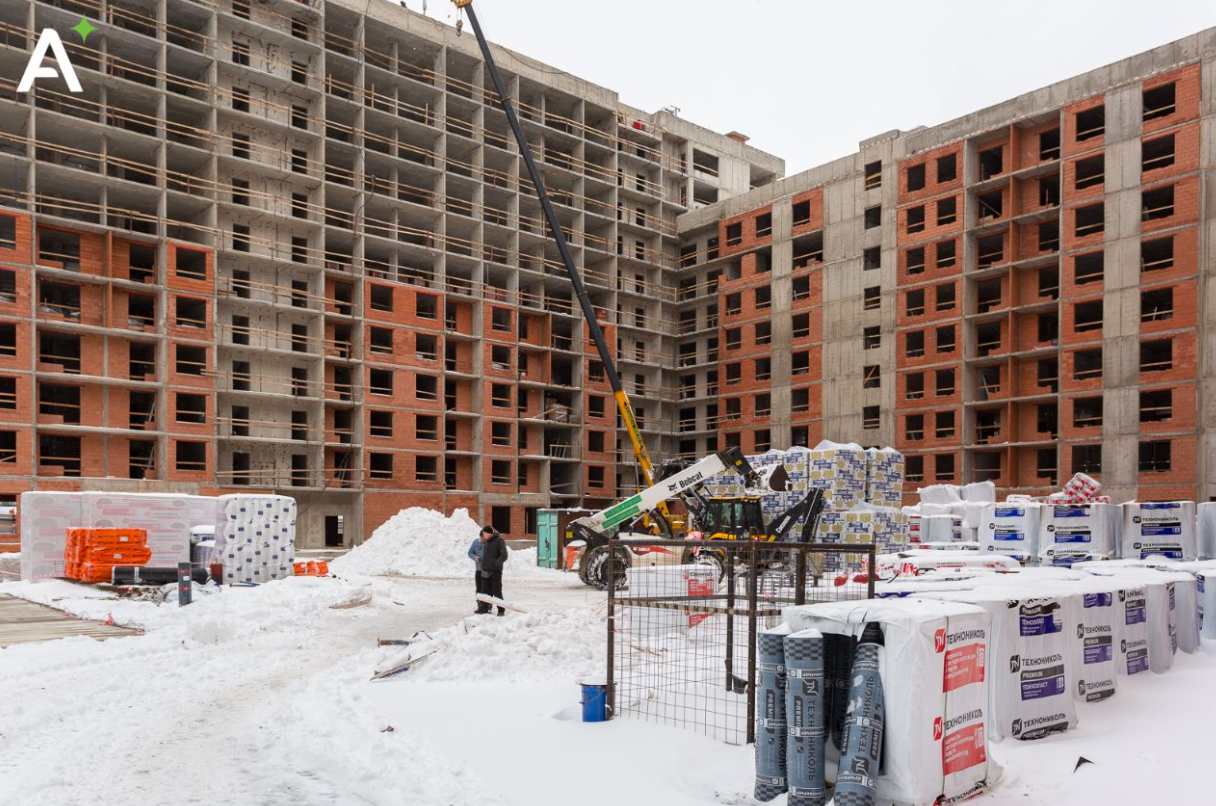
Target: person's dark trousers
point(483, 586)
point(493, 587)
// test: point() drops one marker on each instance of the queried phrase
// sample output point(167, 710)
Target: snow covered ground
point(263, 696)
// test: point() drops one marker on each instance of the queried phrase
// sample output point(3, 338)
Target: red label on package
point(963, 665)
point(699, 587)
point(963, 749)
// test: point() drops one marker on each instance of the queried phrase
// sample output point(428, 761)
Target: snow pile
point(423, 542)
point(240, 613)
point(10, 566)
point(414, 542)
point(543, 646)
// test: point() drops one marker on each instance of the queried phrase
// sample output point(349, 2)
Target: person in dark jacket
point(493, 556)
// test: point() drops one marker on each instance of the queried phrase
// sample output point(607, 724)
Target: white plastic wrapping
point(1031, 658)
point(255, 537)
point(1205, 530)
point(934, 684)
point(45, 519)
point(1011, 529)
point(1071, 533)
point(1166, 529)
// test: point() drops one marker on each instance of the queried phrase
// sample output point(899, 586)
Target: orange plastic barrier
point(91, 554)
point(311, 568)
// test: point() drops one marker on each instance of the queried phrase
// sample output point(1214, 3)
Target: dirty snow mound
point(534, 647)
point(423, 542)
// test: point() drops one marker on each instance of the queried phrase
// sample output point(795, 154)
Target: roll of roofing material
point(804, 714)
point(840, 650)
point(770, 715)
point(857, 777)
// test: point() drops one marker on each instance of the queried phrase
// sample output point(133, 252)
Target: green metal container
point(548, 542)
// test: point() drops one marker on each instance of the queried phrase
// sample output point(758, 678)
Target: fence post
point(730, 619)
point(610, 694)
point(752, 598)
point(872, 571)
point(800, 576)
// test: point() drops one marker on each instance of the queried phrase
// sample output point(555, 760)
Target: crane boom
point(593, 326)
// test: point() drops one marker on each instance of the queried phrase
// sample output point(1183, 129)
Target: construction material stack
point(91, 555)
point(255, 537)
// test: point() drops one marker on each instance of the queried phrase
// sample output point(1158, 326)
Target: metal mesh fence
point(682, 638)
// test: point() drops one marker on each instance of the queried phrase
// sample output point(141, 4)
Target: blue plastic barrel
point(595, 702)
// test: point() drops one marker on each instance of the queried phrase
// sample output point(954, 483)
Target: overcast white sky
point(807, 80)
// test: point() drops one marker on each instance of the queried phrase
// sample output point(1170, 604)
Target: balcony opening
point(808, 249)
point(61, 452)
point(991, 162)
point(871, 258)
point(947, 168)
point(426, 306)
point(991, 205)
point(1157, 356)
point(191, 409)
point(944, 339)
point(987, 338)
point(59, 249)
point(140, 458)
point(871, 298)
point(1049, 191)
point(871, 377)
point(1089, 268)
point(8, 392)
point(1090, 172)
point(871, 338)
point(987, 382)
point(380, 467)
point(873, 172)
point(1091, 123)
point(60, 401)
point(241, 376)
point(943, 382)
point(1157, 305)
point(1159, 102)
point(1155, 456)
point(60, 348)
point(1049, 283)
point(1049, 145)
point(191, 312)
point(1090, 220)
point(988, 296)
point(1045, 465)
point(59, 298)
point(299, 338)
point(946, 254)
point(238, 420)
point(1048, 328)
point(1087, 459)
point(1087, 364)
point(1157, 203)
point(1157, 254)
point(299, 380)
point(1047, 419)
point(1087, 412)
point(990, 251)
point(1157, 153)
point(987, 425)
point(141, 262)
point(802, 213)
point(380, 382)
point(870, 418)
point(1087, 316)
point(947, 211)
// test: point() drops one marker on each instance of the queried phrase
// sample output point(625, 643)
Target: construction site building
point(290, 246)
point(1020, 294)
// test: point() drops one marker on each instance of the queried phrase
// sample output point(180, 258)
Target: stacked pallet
point(90, 555)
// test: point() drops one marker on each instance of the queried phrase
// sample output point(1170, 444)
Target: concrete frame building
point(1016, 295)
point(287, 246)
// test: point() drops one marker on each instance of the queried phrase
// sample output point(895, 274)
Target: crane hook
point(459, 26)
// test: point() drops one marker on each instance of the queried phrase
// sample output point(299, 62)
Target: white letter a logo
point(35, 69)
